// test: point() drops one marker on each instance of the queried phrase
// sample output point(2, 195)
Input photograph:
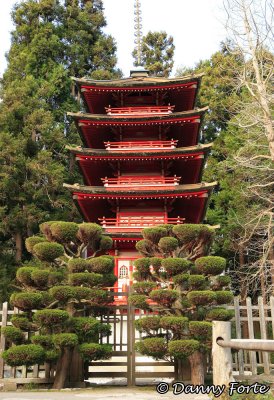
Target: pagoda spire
point(138, 29)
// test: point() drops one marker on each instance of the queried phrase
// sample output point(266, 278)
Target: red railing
point(129, 223)
point(139, 110)
point(141, 145)
point(141, 181)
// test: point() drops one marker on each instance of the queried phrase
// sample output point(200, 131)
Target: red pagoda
point(141, 162)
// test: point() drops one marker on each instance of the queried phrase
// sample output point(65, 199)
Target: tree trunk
point(62, 369)
point(76, 372)
point(18, 246)
point(197, 368)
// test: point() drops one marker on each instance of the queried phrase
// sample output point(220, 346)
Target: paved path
point(111, 393)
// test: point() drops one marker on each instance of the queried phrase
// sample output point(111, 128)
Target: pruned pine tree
point(187, 287)
point(157, 52)
point(68, 294)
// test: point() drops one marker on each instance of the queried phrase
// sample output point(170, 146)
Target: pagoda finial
point(138, 29)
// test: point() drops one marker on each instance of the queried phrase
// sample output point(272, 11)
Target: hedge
point(182, 349)
point(210, 265)
point(50, 318)
point(24, 354)
point(153, 347)
point(95, 351)
point(47, 251)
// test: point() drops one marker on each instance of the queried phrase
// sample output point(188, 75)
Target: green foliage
point(105, 243)
point(164, 297)
point(24, 354)
point(13, 335)
point(78, 265)
point(154, 234)
point(138, 301)
point(46, 251)
point(96, 297)
point(23, 275)
point(200, 330)
point(181, 279)
point(189, 233)
point(201, 297)
point(64, 232)
point(52, 355)
point(147, 324)
point(175, 266)
point(108, 280)
point(144, 247)
point(182, 349)
point(144, 287)
point(153, 347)
point(51, 318)
point(219, 314)
point(43, 340)
point(142, 265)
point(90, 234)
point(62, 293)
point(156, 263)
point(85, 278)
point(157, 51)
point(177, 325)
point(197, 282)
point(61, 340)
point(168, 244)
point(223, 280)
point(210, 265)
point(101, 265)
point(31, 241)
point(224, 297)
point(21, 321)
point(40, 277)
point(86, 328)
point(26, 301)
point(94, 351)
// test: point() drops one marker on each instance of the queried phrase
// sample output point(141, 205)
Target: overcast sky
point(196, 26)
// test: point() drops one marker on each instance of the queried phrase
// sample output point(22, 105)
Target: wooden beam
point(247, 344)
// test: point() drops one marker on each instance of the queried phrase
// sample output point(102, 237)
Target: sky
point(196, 25)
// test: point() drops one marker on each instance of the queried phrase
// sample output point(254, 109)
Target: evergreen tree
point(187, 290)
point(157, 51)
point(52, 41)
point(67, 293)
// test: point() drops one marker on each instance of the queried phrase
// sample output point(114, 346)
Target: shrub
point(89, 233)
point(153, 347)
point(138, 301)
point(22, 322)
point(13, 334)
point(224, 297)
point(219, 314)
point(143, 265)
point(52, 355)
point(144, 287)
point(51, 318)
point(144, 247)
point(210, 265)
point(32, 241)
point(65, 340)
point(182, 349)
point(156, 263)
point(78, 265)
point(64, 232)
point(197, 282)
point(200, 330)
point(175, 266)
point(168, 244)
point(177, 325)
point(94, 351)
point(106, 243)
point(137, 276)
point(82, 293)
point(23, 275)
point(189, 233)
point(47, 251)
point(85, 278)
point(148, 324)
point(201, 297)
point(223, 280)
point(100, 265)
point(45, 229)
point(96, 297)
point(26, 301)
point(108, 280)
point(154, 234)
point(42, 340)
point(182, 280)
point(164, 297)
point(40, 277)
point(55, 278)
point(62, 293)
point(24, 354)
point(86, 328)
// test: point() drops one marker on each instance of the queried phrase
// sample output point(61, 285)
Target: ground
point(110, 393)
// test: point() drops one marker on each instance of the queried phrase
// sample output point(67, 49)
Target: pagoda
point(141, 159)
